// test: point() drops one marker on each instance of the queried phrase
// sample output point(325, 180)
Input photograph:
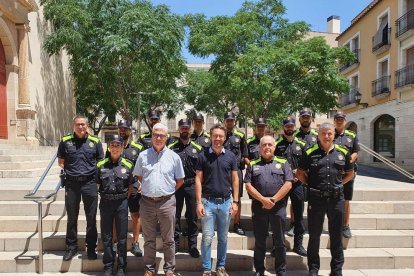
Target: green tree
point(117, 49)
point(263, 64)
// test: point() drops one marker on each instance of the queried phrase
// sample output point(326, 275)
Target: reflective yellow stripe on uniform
point(126, 163)
point(93, 138)
point(67, 137)
point(341, 149)
point(255, 161)
point(241, 134)
point(206, 134)
point(350, 133)
point(173, 144)
point(314, 132)
point(312, 149)
point(137, 145)
point(103, 161)
point(197, 146)
point(280, 159)
point(280, 139)
point(251, 139)
point(300, 142)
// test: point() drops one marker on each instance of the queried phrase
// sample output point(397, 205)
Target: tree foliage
point(264, 66)
point(119, 48)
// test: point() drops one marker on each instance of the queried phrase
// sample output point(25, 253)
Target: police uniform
point(292, 151)
point(203, 139)
point(268, 178)
point(114, 179)
point(80, 158)
point(188, 154)
point(310, 137)
point(325, 196)
point(145, 139)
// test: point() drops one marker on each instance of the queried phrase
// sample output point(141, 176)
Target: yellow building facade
point(380, 103)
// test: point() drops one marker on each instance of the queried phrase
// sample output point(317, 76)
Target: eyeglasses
point(161, 136)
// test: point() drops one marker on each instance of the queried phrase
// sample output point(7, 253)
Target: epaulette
point(197, 146)
point(93, 138)
point(137, 145)
point(103, 161)
point(341, 149)
point(255, 161)
point(312, 149)
point(206, 134)
point(280, 159)
point(241, 134)
point(296, 132)
point(300, 141)
point(251, 139)
point(127, 163)
point(314, 132)
point(278, 140)
point(350, 133)
point(173, 144)
point(67, 137)
point(144, 134)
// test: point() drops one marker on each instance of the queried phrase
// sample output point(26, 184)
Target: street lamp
point(358, 97)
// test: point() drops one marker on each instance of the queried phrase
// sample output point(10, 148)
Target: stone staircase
point(25, 160)
point(382, 223)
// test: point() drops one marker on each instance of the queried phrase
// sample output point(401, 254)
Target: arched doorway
point(384, 136)
point(3, 94)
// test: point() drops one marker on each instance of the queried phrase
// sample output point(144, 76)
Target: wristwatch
point(236, 201)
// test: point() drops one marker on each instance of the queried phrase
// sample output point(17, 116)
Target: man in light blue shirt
point(161, 173)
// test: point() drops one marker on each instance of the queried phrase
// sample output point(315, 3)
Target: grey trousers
point(162, 211)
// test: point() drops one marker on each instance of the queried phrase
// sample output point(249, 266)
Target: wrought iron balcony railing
point(381, 86)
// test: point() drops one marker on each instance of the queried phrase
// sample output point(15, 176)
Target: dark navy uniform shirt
point(80, 155)
point(268, 177)
point(188, 154)
point(347, 139)
point(253, 147)
point(145, 139)
point(217, 172)
point(292, 150)
point(236, 143)
point(325, 170)
point(114, 177)
point(131, 151)
point(203, 139)
point(310, 137)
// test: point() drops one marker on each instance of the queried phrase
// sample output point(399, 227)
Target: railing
point(404, 76)
point(405, 23)
point(386, 40)
point(43, 141)
point(349, 98)
point(39, 200)
point(386, 161)
point(349, 64)
point(381, 86)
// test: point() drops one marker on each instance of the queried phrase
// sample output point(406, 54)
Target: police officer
point(253, 142)
point(268, 180)
point(236, 142)
point(188, 151)
point(145, 139)
point(114, 178)
point(131, 150)
point(77, 155)
point(349, 140)
point(199, 135)
point(305, 132)
point(324, 168)
point(291, 148)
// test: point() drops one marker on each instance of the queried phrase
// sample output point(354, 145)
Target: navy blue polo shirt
point(217, 172)
point(80, 154)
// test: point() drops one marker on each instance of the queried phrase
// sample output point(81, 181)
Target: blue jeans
point(215, 210)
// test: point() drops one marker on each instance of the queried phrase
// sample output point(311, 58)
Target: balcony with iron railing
point(404, 76)
point(349, 98)
point(382, 43)
point(352, 64)
point(381, 87)
point(405, 25)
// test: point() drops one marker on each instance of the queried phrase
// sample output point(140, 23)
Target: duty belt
point(327, 194)
point(114, 196)
point(81, 178)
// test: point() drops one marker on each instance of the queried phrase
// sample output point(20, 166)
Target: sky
point(314, 12)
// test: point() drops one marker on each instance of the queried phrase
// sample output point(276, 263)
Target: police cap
point(340, 114)
point(124, 124)
point(115, 138)
point(305, 112)
point(154, 114)
point(184, 123)
point(198, 116)
point(261, 122)
point(230, 116)
point(288, 121)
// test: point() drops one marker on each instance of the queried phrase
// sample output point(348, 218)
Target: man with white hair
point(161, 173)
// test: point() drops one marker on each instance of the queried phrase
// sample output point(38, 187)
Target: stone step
point(21, 158)
point(55, 241)
point(45, 152)
point(237, 260)
point(24, 165)
point(25, 147)
point(357, 222)
point(28, 173)
point(19, 207)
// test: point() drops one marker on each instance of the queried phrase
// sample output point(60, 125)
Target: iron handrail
point(386, 161)
point(39, 200)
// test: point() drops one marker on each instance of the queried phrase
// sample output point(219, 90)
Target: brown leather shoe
point(148, 273)
point(169, 274)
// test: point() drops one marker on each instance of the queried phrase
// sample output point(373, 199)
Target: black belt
point(81, 178)
point(337, 193)
point(216, 199)
point(156, 198)
point(114, 196)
